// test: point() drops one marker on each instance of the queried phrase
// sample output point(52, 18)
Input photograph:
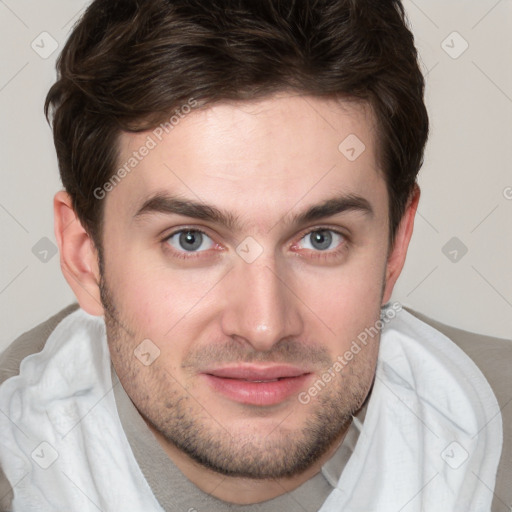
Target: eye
point(322, 240)
point(190, 240)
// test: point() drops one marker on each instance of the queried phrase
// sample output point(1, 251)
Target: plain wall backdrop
point(459, 267)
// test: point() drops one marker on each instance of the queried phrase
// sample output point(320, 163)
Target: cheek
point(347, 297)
point(155, 299)
point(136, 291)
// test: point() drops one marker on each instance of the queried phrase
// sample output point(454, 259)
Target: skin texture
point(298, 303)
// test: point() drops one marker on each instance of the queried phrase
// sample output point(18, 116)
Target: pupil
point(191, 240)
point(322, 239)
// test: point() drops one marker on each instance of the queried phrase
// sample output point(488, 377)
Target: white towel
point(432, 435)
point(431, 439)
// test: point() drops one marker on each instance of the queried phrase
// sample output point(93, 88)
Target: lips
point(257, 385)
point(254, 373)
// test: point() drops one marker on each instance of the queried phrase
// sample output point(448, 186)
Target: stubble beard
point(186, 424)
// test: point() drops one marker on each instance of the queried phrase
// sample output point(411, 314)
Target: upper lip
point(257, 373)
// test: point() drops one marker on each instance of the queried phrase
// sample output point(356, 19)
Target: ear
point(78, 255)
point(396, 257)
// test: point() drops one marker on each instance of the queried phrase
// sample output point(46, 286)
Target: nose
point(261, 308)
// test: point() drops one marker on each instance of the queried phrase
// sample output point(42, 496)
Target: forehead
point(274, 153)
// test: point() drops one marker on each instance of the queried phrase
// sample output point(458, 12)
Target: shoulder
point(28, 343)
point(493, 356)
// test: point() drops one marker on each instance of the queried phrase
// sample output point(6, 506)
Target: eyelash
point(319, 255)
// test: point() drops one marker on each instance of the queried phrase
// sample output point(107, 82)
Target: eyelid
point(167, 233)
point(314, 229)
point(336, 229)
point(175, 232)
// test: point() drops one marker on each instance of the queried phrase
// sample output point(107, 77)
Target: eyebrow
point(162, 202)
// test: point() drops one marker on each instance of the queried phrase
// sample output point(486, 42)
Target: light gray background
point(466, 180)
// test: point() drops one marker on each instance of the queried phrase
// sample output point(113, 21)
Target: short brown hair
point(129, 63)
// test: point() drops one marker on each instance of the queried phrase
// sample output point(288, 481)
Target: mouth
point(257, 385)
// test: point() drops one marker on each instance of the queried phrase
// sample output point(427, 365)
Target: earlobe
point(78, 255)
point(396, 258)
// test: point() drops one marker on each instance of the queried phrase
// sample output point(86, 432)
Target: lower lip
point(258, 393)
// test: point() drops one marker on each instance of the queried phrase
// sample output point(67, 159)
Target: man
point(240, 192)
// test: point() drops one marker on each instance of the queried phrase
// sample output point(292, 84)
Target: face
point(241, 257)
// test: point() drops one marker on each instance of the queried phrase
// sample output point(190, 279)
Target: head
point(240, 189)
